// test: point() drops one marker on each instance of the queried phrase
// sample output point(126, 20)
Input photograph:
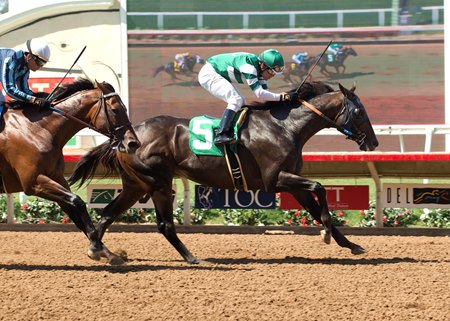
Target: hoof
point(112, 258)
point(94, 255)
point(326, 237)
point(123, 255)
point(357, 250)
point(199, 262)
point(193, 260)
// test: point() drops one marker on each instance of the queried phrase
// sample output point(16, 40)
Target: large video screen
point(399, 72)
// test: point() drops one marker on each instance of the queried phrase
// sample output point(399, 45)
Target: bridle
point(112, 130)
point(347, 111)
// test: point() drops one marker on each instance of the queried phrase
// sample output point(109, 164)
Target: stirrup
point(223, 139)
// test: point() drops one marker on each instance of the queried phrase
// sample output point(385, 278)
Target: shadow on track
point(128, 268)
point(329, 261)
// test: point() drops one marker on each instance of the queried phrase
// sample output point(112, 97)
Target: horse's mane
point(309, 90)
point(68, 89)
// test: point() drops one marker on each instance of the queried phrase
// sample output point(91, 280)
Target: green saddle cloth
point(202, 133)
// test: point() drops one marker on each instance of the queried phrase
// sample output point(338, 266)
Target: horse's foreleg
point(323, 70)
point(164, 214)
point(75, 208)
point(293, 183)
point(309, 203)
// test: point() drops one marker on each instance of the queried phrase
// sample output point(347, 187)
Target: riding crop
point(314, 66)
point(49, 97)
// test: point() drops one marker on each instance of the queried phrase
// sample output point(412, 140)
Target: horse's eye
point(357, 113)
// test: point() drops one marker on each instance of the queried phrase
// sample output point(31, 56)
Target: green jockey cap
point(336, 46)
point(273, 59)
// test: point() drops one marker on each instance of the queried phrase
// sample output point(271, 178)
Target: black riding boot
point(223, 134)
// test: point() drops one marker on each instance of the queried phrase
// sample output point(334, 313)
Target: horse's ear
point(103, 87)
point(342, 89)
point(100, 86)
point(353, 87)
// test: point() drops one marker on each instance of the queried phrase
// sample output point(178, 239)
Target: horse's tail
point(158, 70)
point(103, 154)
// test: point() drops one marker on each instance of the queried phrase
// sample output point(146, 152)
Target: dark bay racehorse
point(270, 149)
point(188, 69)
point(32, 141)
point(337, 63)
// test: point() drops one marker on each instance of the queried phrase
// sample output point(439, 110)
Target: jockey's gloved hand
point(42, 103)
point(289, 96)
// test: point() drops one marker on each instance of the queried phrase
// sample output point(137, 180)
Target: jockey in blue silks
point(15, 67)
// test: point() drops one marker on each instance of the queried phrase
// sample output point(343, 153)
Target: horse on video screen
point(337, 63)
point(299, 71)
point(270, 151)
point(188, 69)
point(32, 141)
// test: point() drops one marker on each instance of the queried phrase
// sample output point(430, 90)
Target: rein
point(111, 130)
point(359, 137)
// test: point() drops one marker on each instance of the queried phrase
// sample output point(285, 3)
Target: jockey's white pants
point(220, 87)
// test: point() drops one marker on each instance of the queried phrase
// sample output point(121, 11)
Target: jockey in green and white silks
point(220, 72)
point(334, 50)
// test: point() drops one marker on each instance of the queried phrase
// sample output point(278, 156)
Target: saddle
point(201, 142)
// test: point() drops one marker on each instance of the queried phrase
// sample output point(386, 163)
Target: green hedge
point(40, 211)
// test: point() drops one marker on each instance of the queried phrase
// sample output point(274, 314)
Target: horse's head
point(110, 116)
point(350, 51)
point(354, 120)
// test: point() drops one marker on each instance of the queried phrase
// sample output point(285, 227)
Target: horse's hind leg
point(162, 200)
point(309, 203)
point(120, 204)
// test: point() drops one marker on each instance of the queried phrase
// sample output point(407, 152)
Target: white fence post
point(10, 208)
point(186, 202)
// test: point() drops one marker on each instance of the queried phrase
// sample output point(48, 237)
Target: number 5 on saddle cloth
point(201, 141)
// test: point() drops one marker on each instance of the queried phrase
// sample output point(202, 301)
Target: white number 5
point(206, 133)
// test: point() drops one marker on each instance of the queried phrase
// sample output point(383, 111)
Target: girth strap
point(235, 168)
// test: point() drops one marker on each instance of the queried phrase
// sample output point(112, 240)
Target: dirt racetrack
point(47, 276)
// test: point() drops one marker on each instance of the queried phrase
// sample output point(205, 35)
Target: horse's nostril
point(134, 145)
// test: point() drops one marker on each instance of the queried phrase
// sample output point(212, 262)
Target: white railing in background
point(374, 31)
point(403, 130)
point(291, 15)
